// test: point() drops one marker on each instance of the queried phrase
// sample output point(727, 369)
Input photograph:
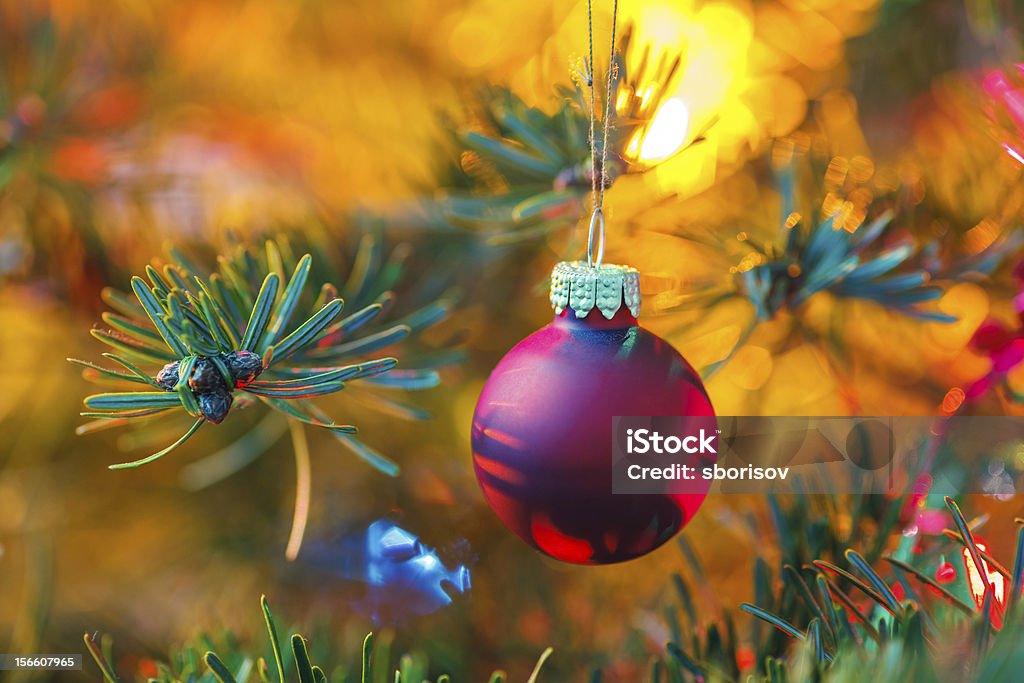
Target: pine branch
point(840, 249)
point(246, 335)
point(233, 664)
point(840, 641)
point(520, 173)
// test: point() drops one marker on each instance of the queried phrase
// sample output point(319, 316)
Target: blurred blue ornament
point(403, 577)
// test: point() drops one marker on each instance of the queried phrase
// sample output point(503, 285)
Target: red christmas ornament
point(542, 431)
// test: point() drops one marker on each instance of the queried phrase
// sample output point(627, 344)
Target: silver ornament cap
point(606, 286)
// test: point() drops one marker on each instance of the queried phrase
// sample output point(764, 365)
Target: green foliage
point(821, 248)
point(819, 254)
point(257, 303)
point(67, 99)
point(931, 635)
point(839, 625)
point(806, 528)
point(234, 665)
point(805, 255)
point(823, 623)
point(523, 172)
point(256, 332)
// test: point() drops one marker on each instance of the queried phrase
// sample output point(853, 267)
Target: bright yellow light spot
point(645, 95)
point(623, 97)
point(667, 131)
point(633, 148)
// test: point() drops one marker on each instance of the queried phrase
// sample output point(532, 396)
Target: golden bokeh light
point(666, 133)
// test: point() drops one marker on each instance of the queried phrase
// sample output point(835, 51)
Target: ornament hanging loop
point(598, 178)
point(596, 226)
